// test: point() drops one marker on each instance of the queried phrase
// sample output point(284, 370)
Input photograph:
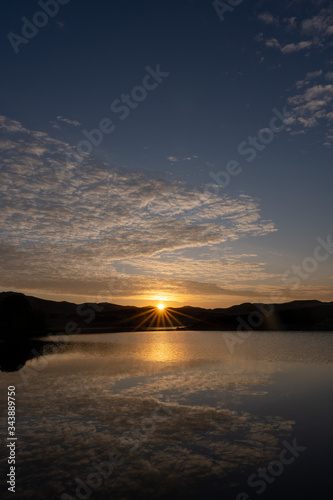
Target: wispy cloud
point(313, 32)
point(311, 104)
point(75, 123)
point(268, 18)
point(312, 107)
point(320, 25)
point(296, 47)
point(288, 48)
point(68, 227)
point(290, 22)
point(312, 75)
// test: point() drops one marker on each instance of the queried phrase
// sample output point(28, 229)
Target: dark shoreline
point(23, 317)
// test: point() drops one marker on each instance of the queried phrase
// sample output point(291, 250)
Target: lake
point(173, 415)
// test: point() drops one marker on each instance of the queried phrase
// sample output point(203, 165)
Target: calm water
point(179, 415)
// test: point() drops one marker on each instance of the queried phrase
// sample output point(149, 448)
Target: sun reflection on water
point(164, 347)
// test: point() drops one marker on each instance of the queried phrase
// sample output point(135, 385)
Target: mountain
point(24, 317)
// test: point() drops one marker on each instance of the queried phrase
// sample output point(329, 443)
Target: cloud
point(67, 223)
point(320, 25)
point(55, 125)
point(272, 43)
point(207, 267)
point(174, 159)
point(314, 32)
point(311, 104)
point(259, 37)
point(295, 47)
point(312, 107)
point(312, 75)
point(291, 22)
point(75, 123)
point(268, 18)
point(8, 125)
point(288, 48)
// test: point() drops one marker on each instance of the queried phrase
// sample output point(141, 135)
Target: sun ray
point(140, 314)
point(182, 314)
point(155, 318)
point(168, 313)
point(167, 317)
point(145, 320)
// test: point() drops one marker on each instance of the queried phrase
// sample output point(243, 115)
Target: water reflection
point(183, 448)
point(163, 348)
point(14, 355)
point(174, 404)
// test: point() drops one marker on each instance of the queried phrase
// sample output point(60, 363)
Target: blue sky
point(144, 213)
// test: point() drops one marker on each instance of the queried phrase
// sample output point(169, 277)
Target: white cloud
point(75, 123)
point(55, 125)
point(8, 125)
point(259, 37)
point(268, 18)
point(272, 43)
point(67, 226)
point(320, 25)
point(316, 30)
point(291, 22)
point(191, 157)
point(295, 47)
point(313, 106)
point(313, 75)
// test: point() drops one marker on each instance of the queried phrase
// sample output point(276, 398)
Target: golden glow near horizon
point(161, 307)
point(164, 348)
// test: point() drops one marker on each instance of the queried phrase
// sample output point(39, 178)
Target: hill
point(24, 316)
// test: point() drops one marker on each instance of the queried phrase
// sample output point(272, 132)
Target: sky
point(174, 151)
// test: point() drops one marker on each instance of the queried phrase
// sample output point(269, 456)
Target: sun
point(161, 307)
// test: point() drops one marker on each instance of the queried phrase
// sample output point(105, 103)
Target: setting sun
point(161, 306)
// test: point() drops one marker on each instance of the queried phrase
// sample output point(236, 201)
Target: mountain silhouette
point(23, 317)
point(14, 355)
point(18, 318)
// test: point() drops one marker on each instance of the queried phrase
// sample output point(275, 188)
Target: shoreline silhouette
point(23, 318)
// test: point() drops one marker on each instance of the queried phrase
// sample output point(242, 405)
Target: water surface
point(184, 416)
